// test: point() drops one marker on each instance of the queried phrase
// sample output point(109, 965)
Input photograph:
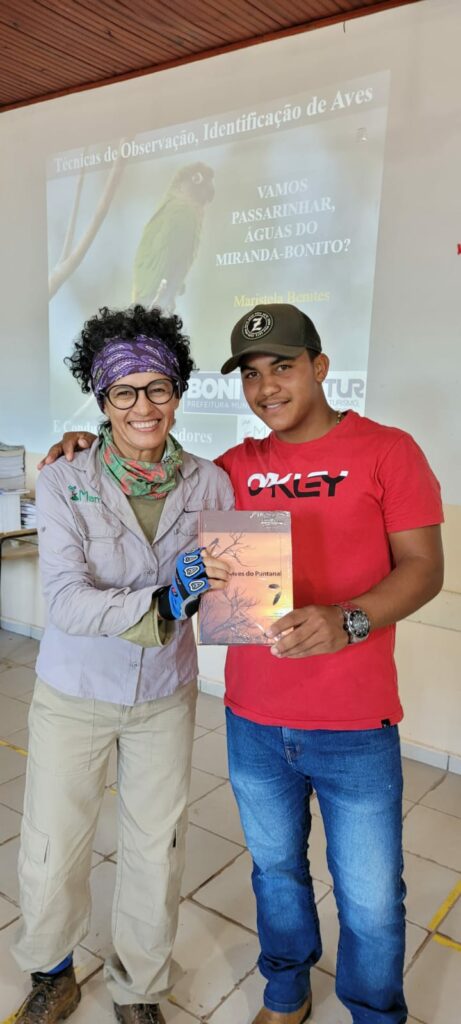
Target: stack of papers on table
point(28, 514)
point(12, 467)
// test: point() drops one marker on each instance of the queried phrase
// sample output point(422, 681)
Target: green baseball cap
point(277, 329)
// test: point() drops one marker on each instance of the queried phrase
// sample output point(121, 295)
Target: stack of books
point(10, 511)
point(12, 485)
point(28, 514)
point(12, 467)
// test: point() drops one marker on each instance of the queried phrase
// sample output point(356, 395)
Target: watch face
point(359, 624)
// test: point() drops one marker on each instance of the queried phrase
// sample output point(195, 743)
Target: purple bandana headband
point(122, 356)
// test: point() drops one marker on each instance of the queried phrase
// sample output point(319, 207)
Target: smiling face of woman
point(140, 432)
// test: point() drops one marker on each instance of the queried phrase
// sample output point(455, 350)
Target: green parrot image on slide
point(171, 238)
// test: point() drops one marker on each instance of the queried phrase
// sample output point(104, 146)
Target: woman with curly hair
point(117, 664)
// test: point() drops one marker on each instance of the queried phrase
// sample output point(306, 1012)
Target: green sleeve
point(151, 630)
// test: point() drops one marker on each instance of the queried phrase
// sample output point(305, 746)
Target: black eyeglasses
point(124, 396)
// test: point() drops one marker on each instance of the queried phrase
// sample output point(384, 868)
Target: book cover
point(257, 548)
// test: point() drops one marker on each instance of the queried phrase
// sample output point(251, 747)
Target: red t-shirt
point(346, 492)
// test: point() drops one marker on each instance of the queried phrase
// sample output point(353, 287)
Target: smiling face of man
point(287, 394)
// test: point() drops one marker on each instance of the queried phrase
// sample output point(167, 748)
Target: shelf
point(16, 534)
point(22, 550)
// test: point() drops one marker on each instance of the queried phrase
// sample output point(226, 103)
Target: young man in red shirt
point(318, 709)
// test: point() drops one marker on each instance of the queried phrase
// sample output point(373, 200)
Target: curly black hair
point(127, 324)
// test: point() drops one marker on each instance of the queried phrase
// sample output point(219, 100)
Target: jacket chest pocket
point(104, 546)
point(186, 528)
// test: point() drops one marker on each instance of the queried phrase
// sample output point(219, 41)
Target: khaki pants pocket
point(33, 867)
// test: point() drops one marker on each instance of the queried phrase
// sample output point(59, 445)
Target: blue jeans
point(358, 780)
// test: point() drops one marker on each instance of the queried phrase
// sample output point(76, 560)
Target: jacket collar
point(95, 470)
point(116, 501)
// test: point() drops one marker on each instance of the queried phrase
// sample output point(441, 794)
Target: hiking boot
point(139, 1013)
point(266, 1016)
point(53, 997)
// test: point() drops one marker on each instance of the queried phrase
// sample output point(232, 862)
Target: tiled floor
point(217, 943)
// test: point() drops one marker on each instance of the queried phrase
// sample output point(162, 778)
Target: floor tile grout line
point(422, 946)
point(223, 778)
point(16, 836)
point(325, 894)
point(7, 806)
point(92, 974)
point(92, 952)
point(214, 790)
point(7, 663)
point(208, 729)
point(10, 900)
point(19, 700)
point(211, 878)
point(172, 1000)
point(218, 834)
point(218, 1006)
point(24, 701)
point(432, 932)
point(437, 810)
point(430, 860)
point(113, 790)
point(437, 783)
point(3, 927)
point(324, 970)
point(104, 856)
point(223, 917)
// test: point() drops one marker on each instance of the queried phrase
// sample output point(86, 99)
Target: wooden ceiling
point(51, 47)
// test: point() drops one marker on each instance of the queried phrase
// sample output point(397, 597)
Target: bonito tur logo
point(297, 485)
point(257, 325)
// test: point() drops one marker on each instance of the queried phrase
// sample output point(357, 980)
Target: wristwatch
point(355, 623)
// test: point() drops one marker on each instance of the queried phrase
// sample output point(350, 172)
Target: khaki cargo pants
point(70, 743)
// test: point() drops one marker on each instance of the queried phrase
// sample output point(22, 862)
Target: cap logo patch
point(257, 325)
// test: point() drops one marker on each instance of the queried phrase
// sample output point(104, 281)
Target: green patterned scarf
point(149, 479)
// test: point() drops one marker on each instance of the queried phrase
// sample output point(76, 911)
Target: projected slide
point(271, 203)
